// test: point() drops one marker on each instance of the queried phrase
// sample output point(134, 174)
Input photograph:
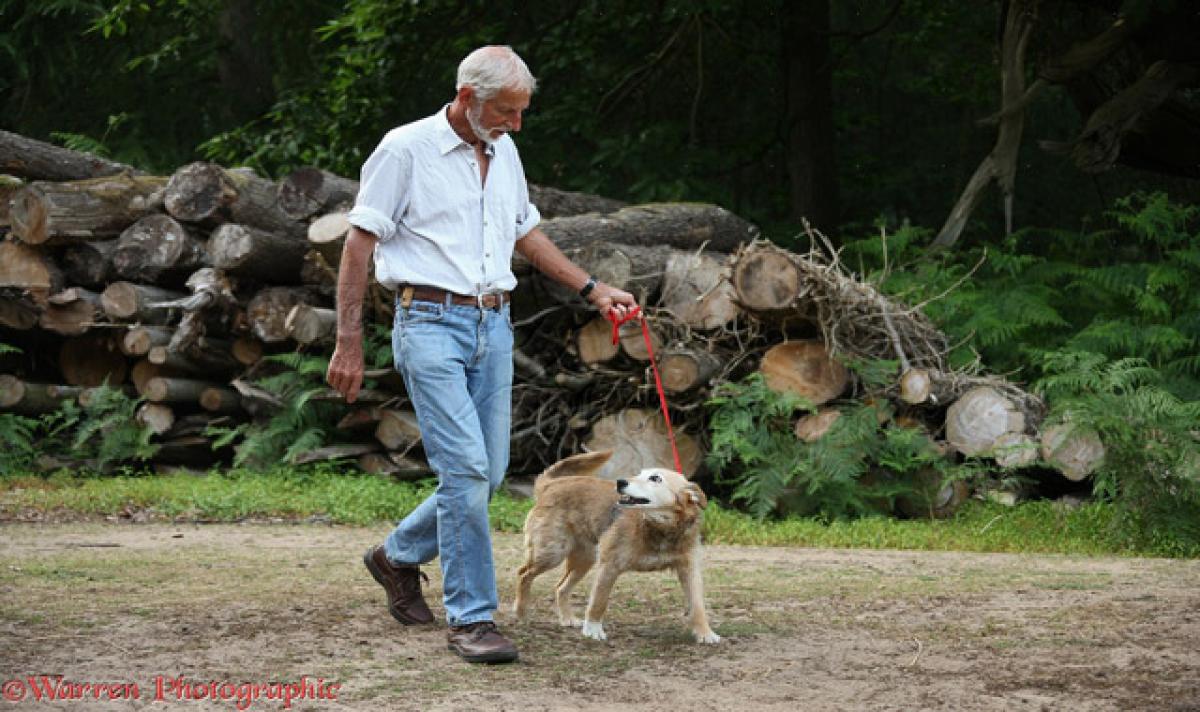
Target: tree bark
point(398, 429)
point(71, 312)
point(126, 301)
point(309, 191)
point(35, 160)
point(808, 68)
point(28, 398)
point(264, 256)
point(28, 270)
point(684, 370)
point(685, 226)
point(209, 194)
point(554, 203)
point(158, 248)
point(60, 213)
point(268, 311)
point(696, 292)
point(89, 264)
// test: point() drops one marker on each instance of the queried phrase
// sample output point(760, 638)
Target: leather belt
point(409, 292)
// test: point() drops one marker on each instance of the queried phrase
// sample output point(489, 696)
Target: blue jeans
point(457, 366)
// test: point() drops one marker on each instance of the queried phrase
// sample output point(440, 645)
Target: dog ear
point(688, 503)
point(697, 495)
point(583, 465)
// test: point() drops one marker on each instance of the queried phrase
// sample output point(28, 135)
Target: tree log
point(248, 351)
point(91, 360)
point(176, 390)
point(555, 203)
point(594, 343)
point(686, 226)
point(18, 312)
point(696, 292)
point(71, 312)
point(932, 497)
point(398, 429)
point(157, 248)
point(1074, 451)
point(804, 368)
point(308, 191)
point(335, 452)
point(157, 417)
point(638, 439)
point(249, 252)
point(268, 311)
point(29, 270)
point(126, 301)
point(812, 427)
point(399, 466)
point(977, 420)
point(216, 399)
point(765, 278)
point(684, 370)
point(9, 186)
point(307, 324)
point(138, 340)
point(633, 341)
point(209, 194)
point(59, 213)
point(28, 398)
point(327, 235)
point(90, 263)
point(35, 160)
point(1012, 450)
point(214, 358)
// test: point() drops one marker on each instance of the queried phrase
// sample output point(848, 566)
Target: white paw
point(595, 631)
point(709, 638)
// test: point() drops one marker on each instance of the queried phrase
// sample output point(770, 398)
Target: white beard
point(475, 119)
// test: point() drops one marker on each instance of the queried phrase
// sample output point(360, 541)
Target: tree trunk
point(264, 256)
point(638, 439)
point(126, 301)
point(216, 399)
point(92, 360)
point(175, 390)
point(268, 311)
point(34, 160)
point(978, 419)
point(685, 226)
point(90, 263)
point(810, 137)
point(29, 270)
point(684, 370)
point(213, 359)
point(398, 429)
point(765, 278)
point(157, 248)
point(1073, 451)
point(594, 344)
point(307, 324)
point(696, 292)
point(59, 213)
point(804, 368)
point(71, 312)
point(156, 416)
point(327, 235)
point(812, 427)
point(138, 340)
point(309, 191)
point(206, 193)
point(554, 203)
point(27, 398)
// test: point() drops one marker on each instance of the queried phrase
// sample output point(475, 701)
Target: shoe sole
point(378, 576)
point(489, 658)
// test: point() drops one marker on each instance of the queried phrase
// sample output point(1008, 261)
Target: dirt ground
point(804, 629)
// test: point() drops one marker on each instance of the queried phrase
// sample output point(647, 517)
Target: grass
point(330, 495)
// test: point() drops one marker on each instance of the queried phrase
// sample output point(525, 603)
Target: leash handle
point(617, 322)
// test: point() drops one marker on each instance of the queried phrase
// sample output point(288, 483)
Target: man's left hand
point(610, 299)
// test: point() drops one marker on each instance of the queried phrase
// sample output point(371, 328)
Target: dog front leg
point(692, 580)
point(578, 564)
point(593, 626)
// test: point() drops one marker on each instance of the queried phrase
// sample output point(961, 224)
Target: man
point(442, 204)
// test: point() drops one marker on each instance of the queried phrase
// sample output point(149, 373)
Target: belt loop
point(406, 297)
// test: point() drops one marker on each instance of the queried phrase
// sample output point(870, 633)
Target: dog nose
point(622, 484)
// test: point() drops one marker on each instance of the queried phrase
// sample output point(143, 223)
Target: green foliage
point(17, 442)
point(856, 468)
point(1151, 467)
point(104, 431)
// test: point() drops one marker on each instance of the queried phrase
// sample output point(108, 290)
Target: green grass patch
point(356, 499)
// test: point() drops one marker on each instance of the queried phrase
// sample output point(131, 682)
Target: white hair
point(493, 68)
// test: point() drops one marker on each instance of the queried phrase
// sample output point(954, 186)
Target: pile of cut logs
point(174, 287)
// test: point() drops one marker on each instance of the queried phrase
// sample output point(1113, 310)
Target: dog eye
point(655, 478)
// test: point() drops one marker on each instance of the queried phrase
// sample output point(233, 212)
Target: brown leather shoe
point(403, 586)
point(481, 643)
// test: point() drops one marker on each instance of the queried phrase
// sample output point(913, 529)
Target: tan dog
point(649, 523)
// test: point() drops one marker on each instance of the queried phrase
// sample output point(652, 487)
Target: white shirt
point(438, 224)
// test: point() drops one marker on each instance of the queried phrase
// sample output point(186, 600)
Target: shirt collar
point(448, 139)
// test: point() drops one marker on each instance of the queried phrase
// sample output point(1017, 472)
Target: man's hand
point(345, 372)
point(610, 299)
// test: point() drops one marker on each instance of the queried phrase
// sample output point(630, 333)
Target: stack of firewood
point(174, 287)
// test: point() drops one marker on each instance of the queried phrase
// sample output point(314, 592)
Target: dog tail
point(585, 465)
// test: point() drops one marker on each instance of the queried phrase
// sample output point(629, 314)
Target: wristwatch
point(587, 288)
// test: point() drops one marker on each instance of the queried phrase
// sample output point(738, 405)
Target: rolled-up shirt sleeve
point(529, 217)
point(383, 193)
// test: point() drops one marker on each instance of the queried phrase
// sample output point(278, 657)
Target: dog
point(648, 523)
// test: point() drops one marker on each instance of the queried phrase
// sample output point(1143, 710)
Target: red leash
point(636, 313)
